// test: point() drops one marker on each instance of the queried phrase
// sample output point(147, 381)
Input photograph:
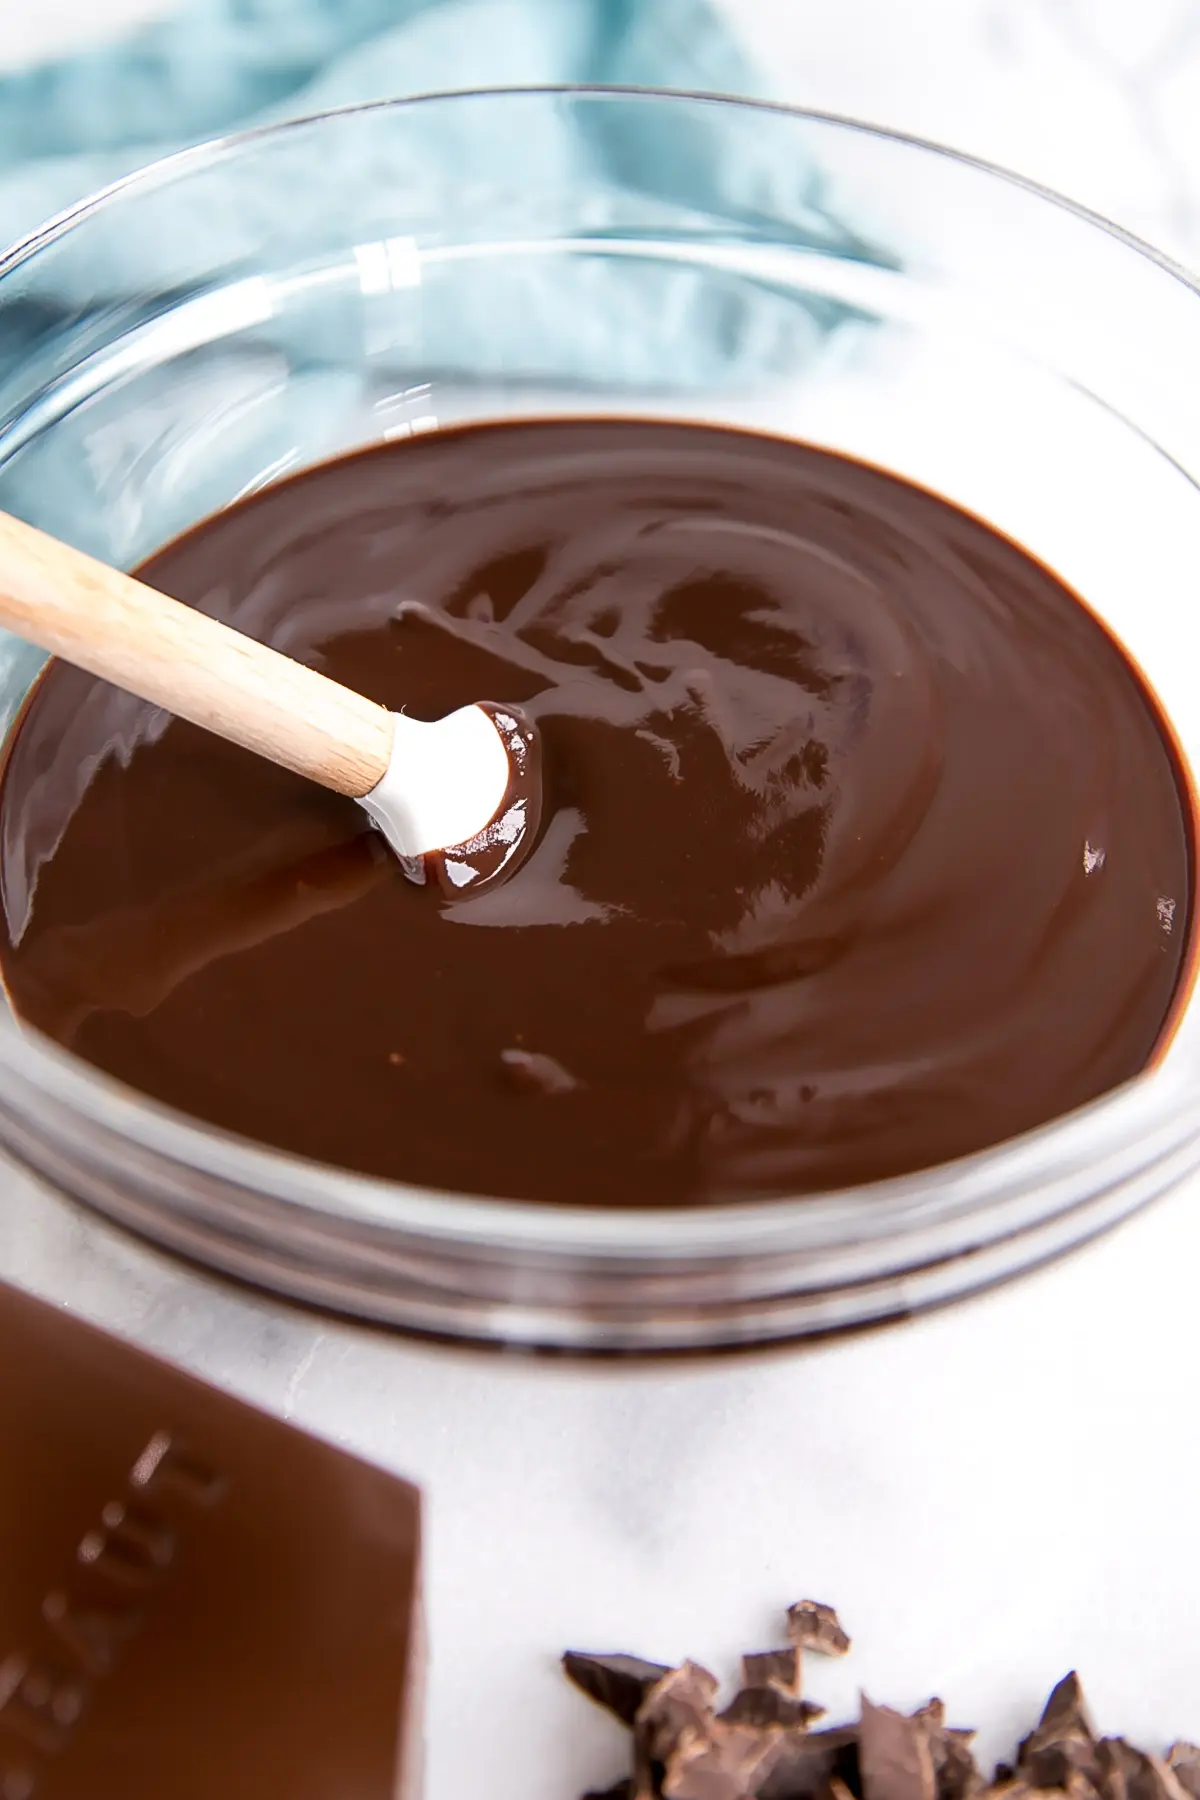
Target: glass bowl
point(265, 302)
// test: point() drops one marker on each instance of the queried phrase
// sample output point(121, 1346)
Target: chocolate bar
point(197, 1601)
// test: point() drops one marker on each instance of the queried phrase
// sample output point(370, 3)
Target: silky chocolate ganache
point(861, 844)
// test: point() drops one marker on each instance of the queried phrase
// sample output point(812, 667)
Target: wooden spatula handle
point(192, 665)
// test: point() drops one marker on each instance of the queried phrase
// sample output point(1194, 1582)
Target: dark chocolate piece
point(1121, 1775)
point(1129, 1774)
point(759, 1747)
point(1018, 1788)
point(814, 1626)
point(894, 1758)
point(197, 1601)
point(617, 1682)
point(726, 1762)
point(1064, 1740)
point(808, 1762)
point(1183, 1760)
point(771, 1706)
point(620, 1790)
point(837, 781)
point(955, 1772)
point(1066, 1709)
point(681, 1700)
point(781, 1669)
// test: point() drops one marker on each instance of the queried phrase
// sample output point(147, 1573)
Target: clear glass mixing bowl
point(265, 302)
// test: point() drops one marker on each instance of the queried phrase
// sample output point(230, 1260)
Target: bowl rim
point(1008, 1184)
point(213, 149)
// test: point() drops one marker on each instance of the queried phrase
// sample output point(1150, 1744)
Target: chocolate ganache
point(861, 844)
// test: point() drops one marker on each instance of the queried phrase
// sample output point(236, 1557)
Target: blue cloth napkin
point(140, 460)
point(213, 66)
point(70, 126)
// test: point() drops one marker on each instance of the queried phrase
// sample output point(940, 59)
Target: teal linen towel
point(213, 66)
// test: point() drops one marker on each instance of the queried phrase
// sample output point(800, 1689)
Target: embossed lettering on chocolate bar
point(44, 1690)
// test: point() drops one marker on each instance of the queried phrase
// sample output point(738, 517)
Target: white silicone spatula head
point(444, 784)
point(429, 787)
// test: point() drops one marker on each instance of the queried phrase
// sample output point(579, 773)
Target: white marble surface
point(58, 27)
point(991, 1495)
point(1099, 99)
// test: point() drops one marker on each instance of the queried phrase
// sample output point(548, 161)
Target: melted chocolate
point(861, 846)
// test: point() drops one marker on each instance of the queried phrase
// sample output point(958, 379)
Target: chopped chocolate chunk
point(760, 1747)
point(1066, 1709)
point(1167, 1779)
point(1064, 1740)
point(726, 1762)
point(814, 1626)
point(769, 1706)
point(809, 1762)
point(681, 1700)
point(1129, 1774)
point(1050, 1765)
point(773, 1668)
point(1120, 1769)
point(620, 1790)
point(618, 1682)
point(955, 1773)
point(894, 1756)
point(1184, 1762)
point(647, 1778)
point(1017, 1788)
